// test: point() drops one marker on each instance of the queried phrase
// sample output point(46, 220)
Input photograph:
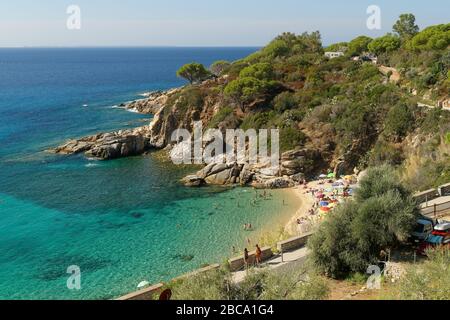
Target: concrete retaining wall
point(196, 272)
point(425, 196)
point(293, 243)
point(148, 293)
point(144, 294)
point(237, 264)
point(444, 190)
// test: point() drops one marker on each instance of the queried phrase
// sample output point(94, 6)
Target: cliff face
point(335, 114)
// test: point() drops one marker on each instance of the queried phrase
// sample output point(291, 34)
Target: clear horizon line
point(130, 46)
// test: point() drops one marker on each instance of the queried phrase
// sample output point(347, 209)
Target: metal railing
point(437, 211)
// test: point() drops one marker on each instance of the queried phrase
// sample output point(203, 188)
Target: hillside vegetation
point(346, 110)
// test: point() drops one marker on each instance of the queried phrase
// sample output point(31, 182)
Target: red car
point(440, 237)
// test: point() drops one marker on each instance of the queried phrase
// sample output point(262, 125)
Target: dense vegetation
point(427, 281)
point(346, 110)
point(351, 111)
point(258, 285)
point(382, 215)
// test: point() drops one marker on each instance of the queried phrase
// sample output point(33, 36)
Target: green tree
point(399, 120)
point(384, 44)
point(340, 46)
point(218, 67)
point(244, 90)
point(193, 72)
point(358, 45)
point(276, 48)
point(382, 215)
point(432, 38)
point(261, 71)
point(406, 26)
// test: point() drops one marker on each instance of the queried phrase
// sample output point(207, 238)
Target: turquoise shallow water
point(122, 221)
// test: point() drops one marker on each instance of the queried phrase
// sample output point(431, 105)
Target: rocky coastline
point(156, 136)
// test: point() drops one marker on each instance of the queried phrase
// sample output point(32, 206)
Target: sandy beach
point(307, 204)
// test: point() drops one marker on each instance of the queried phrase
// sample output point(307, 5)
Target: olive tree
point(382, 215)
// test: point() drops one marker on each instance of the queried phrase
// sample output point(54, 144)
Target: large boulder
point(216, 174)
point(193, 181)
point(246, 175)
point(152, 103)
point(110, 145)
point(220, 178)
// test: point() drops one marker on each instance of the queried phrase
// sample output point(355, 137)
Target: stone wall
point(144, 294)
point(425, 196)
point(237, 264)
point(444, 190)
point(293, 243)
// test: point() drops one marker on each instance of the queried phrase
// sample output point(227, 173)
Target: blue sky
point(200, 22)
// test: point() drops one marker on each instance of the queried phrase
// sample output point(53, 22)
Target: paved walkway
point(291, 260)
point(295, 259)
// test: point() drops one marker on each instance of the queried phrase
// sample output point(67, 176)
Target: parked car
point(440, 237)
point(422, 230)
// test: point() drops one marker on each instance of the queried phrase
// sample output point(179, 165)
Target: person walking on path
point(246, 259)
point(258, 255)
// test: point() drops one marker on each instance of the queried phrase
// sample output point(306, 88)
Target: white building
point(332, 55)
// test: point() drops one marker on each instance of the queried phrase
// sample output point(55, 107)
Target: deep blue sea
point(121, 221)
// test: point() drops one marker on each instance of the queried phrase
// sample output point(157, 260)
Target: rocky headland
point(165, 107)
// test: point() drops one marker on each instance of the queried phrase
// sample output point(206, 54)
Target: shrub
point(219, 67)
point(284, 101)
point(399, 121)
point(189, 98)
point(384, 44)
point(258, 120)
point(205, 286)
point(258, 285)
point(261, 71)
point(244, 90)
point(358, 45)
point(427, 281)
point(276, 48)
point(432, 38)
point(295, 285)
point(434, 120)
point(385, 153)
point(193, 72)
point(222, 115)
point(291, 138)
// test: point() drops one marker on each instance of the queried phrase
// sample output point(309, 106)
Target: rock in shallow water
point(109, 145)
